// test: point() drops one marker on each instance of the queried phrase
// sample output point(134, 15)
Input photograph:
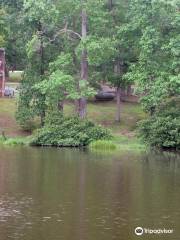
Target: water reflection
point(63, 194)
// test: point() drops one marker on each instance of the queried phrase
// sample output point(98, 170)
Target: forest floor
point(100, 112)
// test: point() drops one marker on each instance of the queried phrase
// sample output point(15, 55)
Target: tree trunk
point(118, 71)
point(4, 136)
point(42, 116)
point(84, 67)
point(61, 106)
point(118, 99)
point(43, 113)
point(129, 91)
point(110, 2)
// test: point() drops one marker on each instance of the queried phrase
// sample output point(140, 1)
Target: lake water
point(64, 194)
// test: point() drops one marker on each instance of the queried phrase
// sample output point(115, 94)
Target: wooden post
point(2, 72)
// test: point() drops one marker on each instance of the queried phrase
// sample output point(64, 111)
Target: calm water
point(54, 194)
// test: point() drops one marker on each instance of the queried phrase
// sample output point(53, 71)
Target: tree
point(74, 45)
point(109, 52)
point(39, 53)
point(84, 64)
point(51, 44)
point(157, 69)
point(17, 34)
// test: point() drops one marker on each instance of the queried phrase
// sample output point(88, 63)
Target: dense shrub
point(25, 119)
point(68, 132)
point(163, 128)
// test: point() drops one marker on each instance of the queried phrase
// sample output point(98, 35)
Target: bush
point(25, 119)
point(163, 128)
point(68, 132)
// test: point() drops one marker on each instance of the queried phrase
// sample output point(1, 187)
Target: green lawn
point(100, 112)
point(7, 118)
point(104, 113)
point(15, 76)
point(7, 107)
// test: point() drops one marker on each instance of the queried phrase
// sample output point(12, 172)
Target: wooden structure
point(2, 72)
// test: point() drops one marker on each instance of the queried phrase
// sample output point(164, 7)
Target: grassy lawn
point(7, 118)
point(104, 113)
point(15, 76)
point(100, 112)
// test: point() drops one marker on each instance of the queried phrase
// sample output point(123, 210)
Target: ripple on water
point(13, 210)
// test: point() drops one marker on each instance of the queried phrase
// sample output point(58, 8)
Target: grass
point(129, 143)
point(15, 76)
point(103, 145)
point(15, 141)
point(8, 107)
point(102, 113)
point(118, 144)
point(7, 118)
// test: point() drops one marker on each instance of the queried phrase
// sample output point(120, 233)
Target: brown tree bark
point(84, 67)
point(2, 72)
point(118, 102)
point(118, 69)
point(129, 91)
point(61, 106)
point(110, 3)
point(41, 52)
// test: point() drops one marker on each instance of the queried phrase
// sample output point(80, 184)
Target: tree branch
point(65, 30)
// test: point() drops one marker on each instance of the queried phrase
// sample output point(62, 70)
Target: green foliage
point(62, 84)
point(68, 132)
point(56, 88)
point(17, 33)
point(32, 102)
point(156, 24)
point(25, 118)
point(99, 49)
point(43, 10)
point(33, 47)
point(14, 141)
point(63, 62)
point(129, 41)
point(106, 45)
point(163, 128)
point(3, 27)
